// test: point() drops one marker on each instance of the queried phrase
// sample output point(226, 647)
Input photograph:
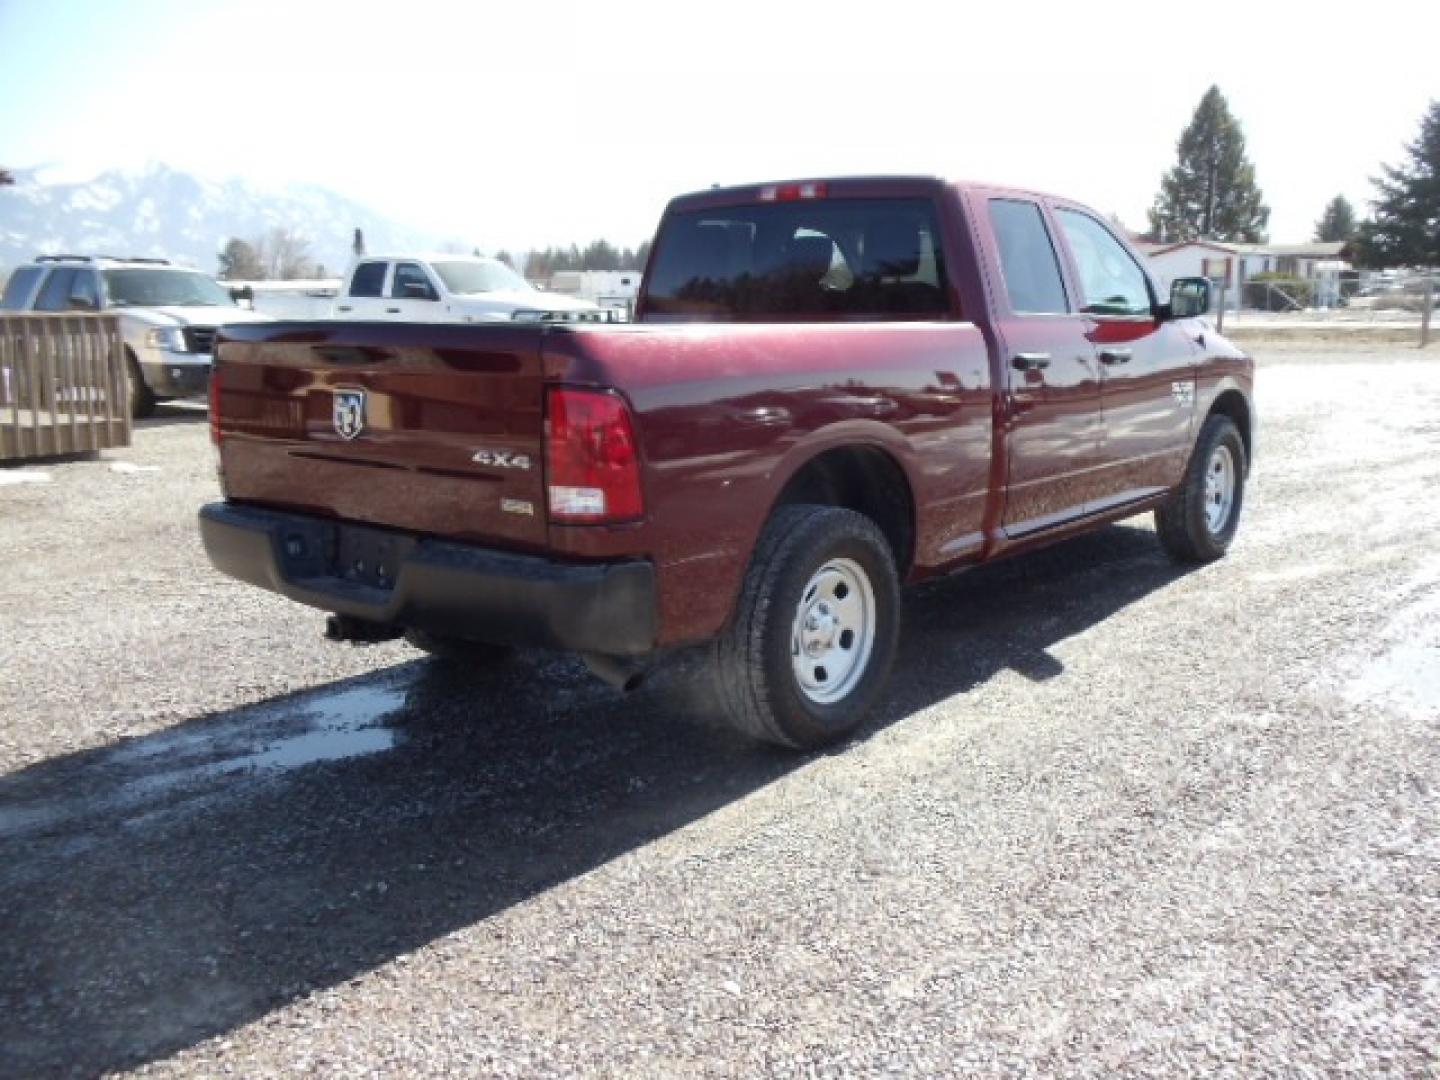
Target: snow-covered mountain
point(160, 211)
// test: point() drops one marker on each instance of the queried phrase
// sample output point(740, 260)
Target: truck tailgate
point(431, 429)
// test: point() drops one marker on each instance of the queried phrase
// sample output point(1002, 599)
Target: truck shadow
point(170, 888)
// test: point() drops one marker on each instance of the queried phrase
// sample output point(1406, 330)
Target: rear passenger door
point(365, 298)
point(1052, 414)
point(1147, 366)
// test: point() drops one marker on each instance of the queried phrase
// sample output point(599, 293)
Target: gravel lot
point(1114, 816)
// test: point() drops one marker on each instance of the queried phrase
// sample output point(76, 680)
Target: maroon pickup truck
point(830, 387)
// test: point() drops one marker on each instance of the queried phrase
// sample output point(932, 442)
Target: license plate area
point(369, 557)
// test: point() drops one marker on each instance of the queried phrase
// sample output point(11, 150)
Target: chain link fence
point(1392, 301)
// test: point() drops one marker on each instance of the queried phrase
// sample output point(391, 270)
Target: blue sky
point(539, 123)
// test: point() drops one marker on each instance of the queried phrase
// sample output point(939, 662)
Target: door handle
point(1030, 361)
point(343, 307)
point(392, 311)
point(1115, 356)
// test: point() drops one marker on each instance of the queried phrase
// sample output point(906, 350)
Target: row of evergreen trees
point(1211, 194)
point(597, 255)
point(282, 255)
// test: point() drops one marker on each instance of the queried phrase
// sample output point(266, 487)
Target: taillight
point(811, 189)
point(215, 405)
point(593, 467)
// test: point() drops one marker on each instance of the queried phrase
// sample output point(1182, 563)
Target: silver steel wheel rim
point(1219, 489)
point(834, 631)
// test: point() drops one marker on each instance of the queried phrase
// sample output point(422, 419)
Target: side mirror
point(82, 303)
point(1189, 297)
point(417, 290)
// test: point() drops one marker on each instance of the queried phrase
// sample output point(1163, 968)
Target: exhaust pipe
point(359, 631)
point(622, 673)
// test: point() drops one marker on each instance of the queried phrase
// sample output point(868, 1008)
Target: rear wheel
point(814, 632)
point(142, 401)
point(460, 651)
point(1200, 519)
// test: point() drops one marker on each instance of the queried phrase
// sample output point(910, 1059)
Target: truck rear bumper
point(398, 579)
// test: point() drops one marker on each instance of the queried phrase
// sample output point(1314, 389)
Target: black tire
point(1182, 524)
point(142, 401)
point(758, 684)
point(459, 651)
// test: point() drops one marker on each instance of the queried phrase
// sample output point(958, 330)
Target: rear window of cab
point(817, 260)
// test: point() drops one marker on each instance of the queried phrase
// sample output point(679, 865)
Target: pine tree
point(240, 262)
point(1211, 192)
point(1338, 221)
point(600, 255)
point(1404, 226)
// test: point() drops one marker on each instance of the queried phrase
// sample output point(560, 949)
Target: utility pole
point(1427, 309)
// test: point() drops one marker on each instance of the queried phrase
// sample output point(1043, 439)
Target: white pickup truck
point(448, 288)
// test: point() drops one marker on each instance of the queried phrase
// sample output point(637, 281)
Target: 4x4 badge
point(349, 416)
point(501, 459)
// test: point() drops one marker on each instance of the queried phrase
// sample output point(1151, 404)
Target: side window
point(55, 293)
point(1027, 258)
point(84, 292)
point(1112, 281)
point(369, 279)
point(411, 283)
point(19, 288)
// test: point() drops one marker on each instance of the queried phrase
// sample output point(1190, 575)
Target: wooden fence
point(64, 387)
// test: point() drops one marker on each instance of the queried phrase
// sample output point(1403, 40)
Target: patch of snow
point(15, 477)
point(95, 197)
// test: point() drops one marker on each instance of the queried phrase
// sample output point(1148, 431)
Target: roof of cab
point(109, 261)
point(423, 256)
point(852, 187)
point(835, 187)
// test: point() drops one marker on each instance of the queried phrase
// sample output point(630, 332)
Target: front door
point(413, 297)
point(1053, 404)
point(1147, 366)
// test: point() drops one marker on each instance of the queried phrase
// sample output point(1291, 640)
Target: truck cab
point(446, 288)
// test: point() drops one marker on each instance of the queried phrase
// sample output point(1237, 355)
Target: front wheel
point(814, 631)
point(1199, 520)
point(142, 401)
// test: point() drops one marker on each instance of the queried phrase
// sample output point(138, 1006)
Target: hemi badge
point(518, 506)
